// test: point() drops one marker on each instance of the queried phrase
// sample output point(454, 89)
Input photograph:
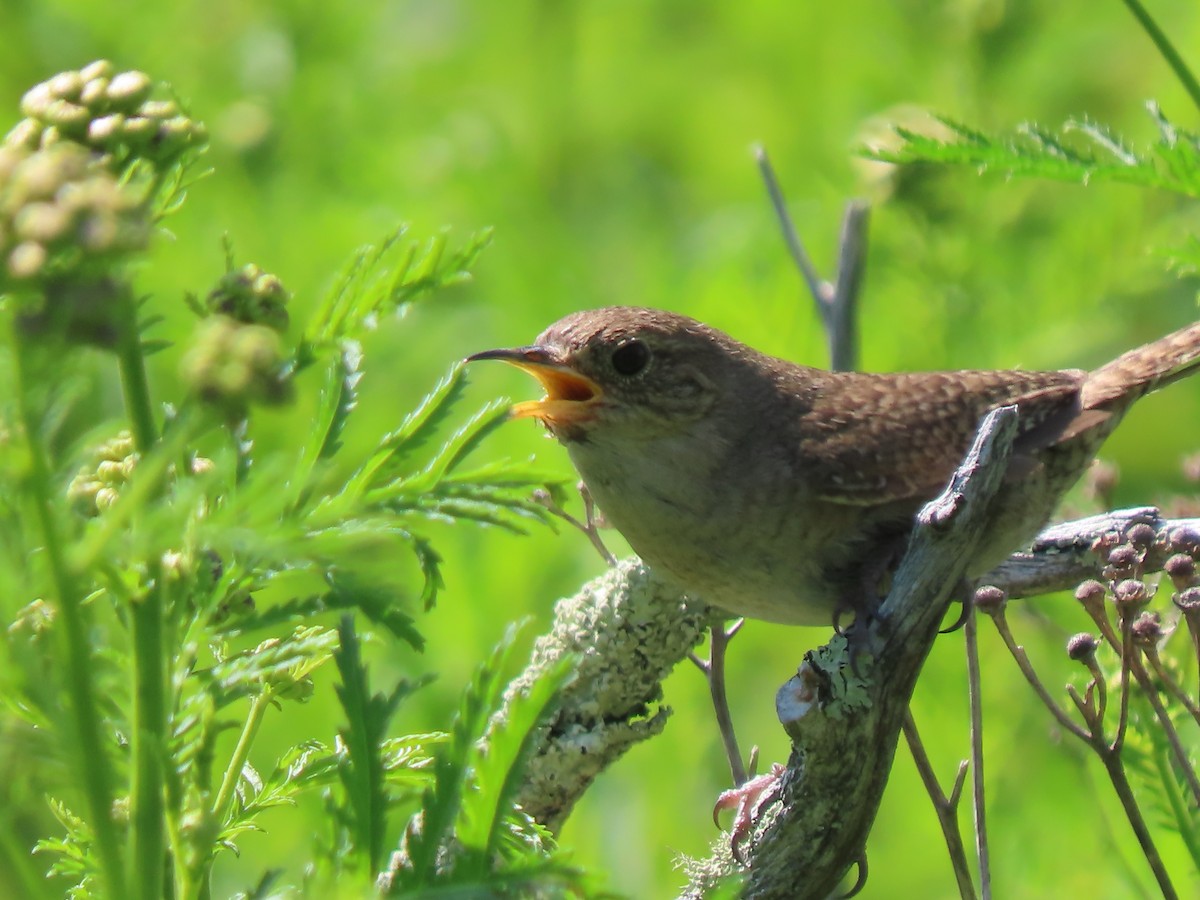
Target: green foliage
point(467, 833)
point(609, 145)
point(178, 538)
point(1081, 151)
point(1161, 782)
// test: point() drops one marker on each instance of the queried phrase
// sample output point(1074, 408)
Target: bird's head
point(625, 373)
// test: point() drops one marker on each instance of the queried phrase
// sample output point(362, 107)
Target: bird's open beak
point(570, 397)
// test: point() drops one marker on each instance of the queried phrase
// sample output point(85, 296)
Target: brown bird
point(784, 492)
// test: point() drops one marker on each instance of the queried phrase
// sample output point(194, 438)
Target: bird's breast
point(741, 532)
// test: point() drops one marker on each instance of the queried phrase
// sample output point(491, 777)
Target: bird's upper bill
point(570, 397)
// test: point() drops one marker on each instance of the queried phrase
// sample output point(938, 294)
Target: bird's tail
point(1142, 370)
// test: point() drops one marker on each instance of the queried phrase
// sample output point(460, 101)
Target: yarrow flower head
point(110, 113)
point(252, 296)
point(232, 365)
point(96, 486)
point(65, 223)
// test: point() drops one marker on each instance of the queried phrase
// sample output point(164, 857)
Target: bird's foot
point(748, 800)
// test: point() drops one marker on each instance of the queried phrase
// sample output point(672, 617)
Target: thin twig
point(1127, 652)
point(851, 268)
point(1093, 736)
point(971, 636)
point(944, 807)
point(714, 673)
point(822, 291)
point(1120, 783)
point(1132, 661)
point(1018, 653)
point(590, 526)
point(1173, 687)
point(837, 302)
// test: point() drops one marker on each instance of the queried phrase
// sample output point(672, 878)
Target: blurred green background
point(609, 144)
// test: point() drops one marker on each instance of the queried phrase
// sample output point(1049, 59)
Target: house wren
point(780, 491)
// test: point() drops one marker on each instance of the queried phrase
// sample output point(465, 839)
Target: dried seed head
point(1191, 467)
point(1181, 569)
point(1082, 647)
point(1124, 561)
point(1130, 596)
point(1091, 594)
point(1188, 601)
point(1184, 540)
point(1104, 543)
point(1124, 556)
point(1102, 478)
point(1147, 629)
point(1141, 536)
point(990, 600)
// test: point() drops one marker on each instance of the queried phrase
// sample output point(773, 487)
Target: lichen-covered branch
point(629, 629)
point(1062, 556)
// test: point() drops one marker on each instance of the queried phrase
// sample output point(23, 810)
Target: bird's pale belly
point(766, 561)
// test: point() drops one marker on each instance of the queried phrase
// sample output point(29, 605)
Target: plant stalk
point(147, 809)
point(75, 653)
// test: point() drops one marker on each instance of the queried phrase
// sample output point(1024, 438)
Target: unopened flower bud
point(101, 68)
point(233, 365)
point(127, 90)
point(252, 296)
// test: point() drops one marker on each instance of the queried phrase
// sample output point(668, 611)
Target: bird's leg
point(868, 585)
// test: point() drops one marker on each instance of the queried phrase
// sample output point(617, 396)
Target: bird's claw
point(748, 799)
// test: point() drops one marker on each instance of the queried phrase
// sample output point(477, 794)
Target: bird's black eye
point(630, 358)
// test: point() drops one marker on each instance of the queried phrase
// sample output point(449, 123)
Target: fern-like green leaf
point(1081, 151)
point(510, 743)
point(453, 765)
point(361, 766)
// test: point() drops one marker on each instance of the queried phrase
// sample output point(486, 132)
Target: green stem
point(134, 384)
point(75, 654)
point(240, 754)
point(197, 881)
point(16, 861)
point(147, 811)
point(1166, 49)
